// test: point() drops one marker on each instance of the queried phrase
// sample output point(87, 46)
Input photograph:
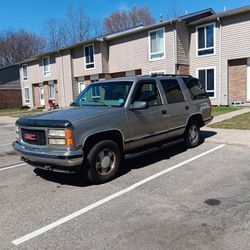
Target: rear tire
point(192, 134)
point(102, 162)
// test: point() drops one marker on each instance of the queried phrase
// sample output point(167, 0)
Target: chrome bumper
point(48, 157)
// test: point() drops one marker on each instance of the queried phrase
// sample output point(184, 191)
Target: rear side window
point(195, 88)
point(172, 90)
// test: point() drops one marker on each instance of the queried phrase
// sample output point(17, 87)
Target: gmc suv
point(111, 118)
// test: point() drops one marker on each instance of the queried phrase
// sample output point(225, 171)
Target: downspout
point(220, 61)
point(174, 47)
point(63, 84)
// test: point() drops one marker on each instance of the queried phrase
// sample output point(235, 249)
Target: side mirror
point(139, 105)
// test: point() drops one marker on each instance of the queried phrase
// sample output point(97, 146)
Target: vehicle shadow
point(135, 161)
point(206, 134)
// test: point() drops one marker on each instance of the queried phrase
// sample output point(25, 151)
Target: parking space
point(170, 198)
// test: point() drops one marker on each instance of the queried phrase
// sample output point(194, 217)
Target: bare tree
point(74, 28)
point(16, 46)
point(121, 20)
point(140, 15)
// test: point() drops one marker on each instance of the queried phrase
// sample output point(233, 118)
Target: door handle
point(164, 111)
point(187, 107)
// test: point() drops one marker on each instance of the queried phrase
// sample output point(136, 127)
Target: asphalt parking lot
point(170, 198)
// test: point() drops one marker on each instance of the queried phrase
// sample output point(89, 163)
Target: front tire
point(192, 134)
point(102, 162)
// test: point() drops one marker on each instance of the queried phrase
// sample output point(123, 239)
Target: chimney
point(161, 18)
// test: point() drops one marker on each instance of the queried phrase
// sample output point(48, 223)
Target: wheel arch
point(196, 117)
point(112, 134)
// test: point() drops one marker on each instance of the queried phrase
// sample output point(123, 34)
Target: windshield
point(112, 94)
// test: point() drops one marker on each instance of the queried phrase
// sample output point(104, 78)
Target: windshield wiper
point(103, 103)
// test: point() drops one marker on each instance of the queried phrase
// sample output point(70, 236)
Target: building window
point(26, 94)
point(172, 91)
point(25, 72)
point(46, 66)
point(52, 90)
point(158, 72)
point(156, 45)
point(205, 40)
point(207, 79)
point(89, 57)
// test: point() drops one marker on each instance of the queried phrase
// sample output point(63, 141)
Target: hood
point(62, 118)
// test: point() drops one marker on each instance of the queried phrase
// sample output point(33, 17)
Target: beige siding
point(129, 53)
point(105, 57)
point(75, 88)
point(35, 71)
point(183, 37)
point(235, 44)
point(35, 75)
point(65, 79)
point(197, 62)
point(78, 61)
point(232, 42)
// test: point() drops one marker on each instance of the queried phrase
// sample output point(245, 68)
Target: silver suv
point(111, 118)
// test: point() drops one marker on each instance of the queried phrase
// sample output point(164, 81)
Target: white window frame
point(26, 101)
point(85, 63)
point(163, 71)
point(52, 97)
point(25, 78)
point(79, 86)
point(206, 48)
point(149, 45)
point(215, 78)
point(46, 73)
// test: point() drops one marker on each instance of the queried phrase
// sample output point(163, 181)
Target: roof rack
point(169, 75)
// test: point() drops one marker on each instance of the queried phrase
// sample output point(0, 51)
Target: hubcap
point(193, 134)
point(105, 161)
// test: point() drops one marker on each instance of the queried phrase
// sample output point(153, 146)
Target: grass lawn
point(17, 112)
point(237, 122)
point(219, 110)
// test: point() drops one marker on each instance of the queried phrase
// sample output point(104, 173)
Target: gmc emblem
point(29, 137)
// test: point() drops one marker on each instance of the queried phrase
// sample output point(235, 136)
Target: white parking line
point(14, 166)
point(7, 144)
point(108, 198)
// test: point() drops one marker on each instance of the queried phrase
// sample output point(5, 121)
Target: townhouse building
point(212, 47)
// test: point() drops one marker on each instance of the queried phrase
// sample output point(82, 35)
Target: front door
point(147, 125)
point(42, 100)
point(248, 80)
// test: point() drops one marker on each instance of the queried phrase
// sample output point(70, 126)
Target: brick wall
point(237, 72)
point(183, 69)
point(10, 98)
point(36, 95)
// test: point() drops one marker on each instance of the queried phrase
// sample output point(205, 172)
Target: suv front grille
point(34, 137)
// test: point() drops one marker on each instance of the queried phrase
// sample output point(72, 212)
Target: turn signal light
point(69, 141)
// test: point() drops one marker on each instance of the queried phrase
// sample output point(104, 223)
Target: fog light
point(57, 141)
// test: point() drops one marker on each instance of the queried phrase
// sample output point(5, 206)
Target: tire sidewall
point(190, 144)
point(92, 172)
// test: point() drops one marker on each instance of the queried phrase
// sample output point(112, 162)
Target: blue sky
point(30, 14)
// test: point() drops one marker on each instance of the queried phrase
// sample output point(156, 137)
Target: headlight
point(60, 137)
point(57, 132)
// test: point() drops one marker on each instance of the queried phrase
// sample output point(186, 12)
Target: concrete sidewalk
point(229, 115)
point(227, 136)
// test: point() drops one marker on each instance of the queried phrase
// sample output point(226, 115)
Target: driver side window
point(148, 92)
